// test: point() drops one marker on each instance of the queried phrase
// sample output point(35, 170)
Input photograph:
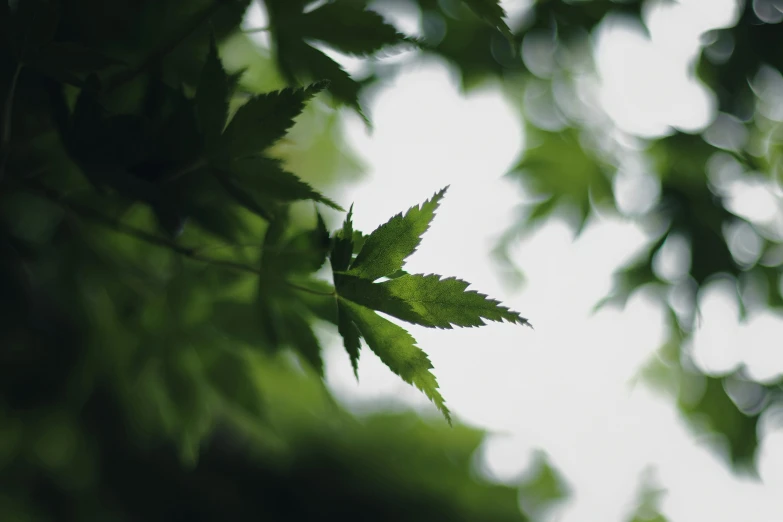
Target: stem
point(168, 46)
point(8, 108)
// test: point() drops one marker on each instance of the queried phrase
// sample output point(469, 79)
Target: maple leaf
point(264, 119)
point(235, 151)
point(346, 27)
point(427, 300)
point(212, 97)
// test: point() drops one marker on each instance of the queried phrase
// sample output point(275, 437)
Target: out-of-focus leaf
point(492, 12)
point(558, 169)
point(301, 337)
point(350, 28)
point(544, 490)
point(647, 504)
point(330, 23)
point(267, 180)
point(715, 412)
point(212, 97)
point(264, 119)
point(301, 61)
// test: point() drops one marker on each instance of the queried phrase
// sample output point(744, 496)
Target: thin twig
point(168, 46)
point(8, 108)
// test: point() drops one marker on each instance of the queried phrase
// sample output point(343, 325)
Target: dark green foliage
point(160, 262)
point(346, 26)
point(157, 275)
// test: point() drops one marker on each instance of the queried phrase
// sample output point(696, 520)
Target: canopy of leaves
point(160, 276)
point(161, 280)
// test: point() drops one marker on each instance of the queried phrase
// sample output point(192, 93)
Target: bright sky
point(566, 387)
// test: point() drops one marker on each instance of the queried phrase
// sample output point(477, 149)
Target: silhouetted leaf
point(350, 28)
point(212, 97)
point(267, 180)
point(264, 119)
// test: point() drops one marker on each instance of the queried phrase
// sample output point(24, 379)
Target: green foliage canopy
point(162, 253)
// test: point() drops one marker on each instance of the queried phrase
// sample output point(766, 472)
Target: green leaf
point(270, 183)
point(307, 251)
point(300, 61)
point(559, 170)
point(350, 29)
point(212, 97)
point(247, 201)
point(238, 321)
point(715, 411)
point(491, 12)
point(342, 245)
point(386, 249)
point(265, 119)
point(377, 297)
point(543, 490)
point(426, 300)
point(446, 302)
point(397, 349)
point(231, 376)
point(302, 339)
point(351, 336)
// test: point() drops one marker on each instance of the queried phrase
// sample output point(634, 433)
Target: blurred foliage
point(162, 271)
point(542, 489)
point(647, 503)
point(162, 262)
point(576, 155)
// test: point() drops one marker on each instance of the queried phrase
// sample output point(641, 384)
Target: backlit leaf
point(386, 249)
point(397, 349)
point(444, 302)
